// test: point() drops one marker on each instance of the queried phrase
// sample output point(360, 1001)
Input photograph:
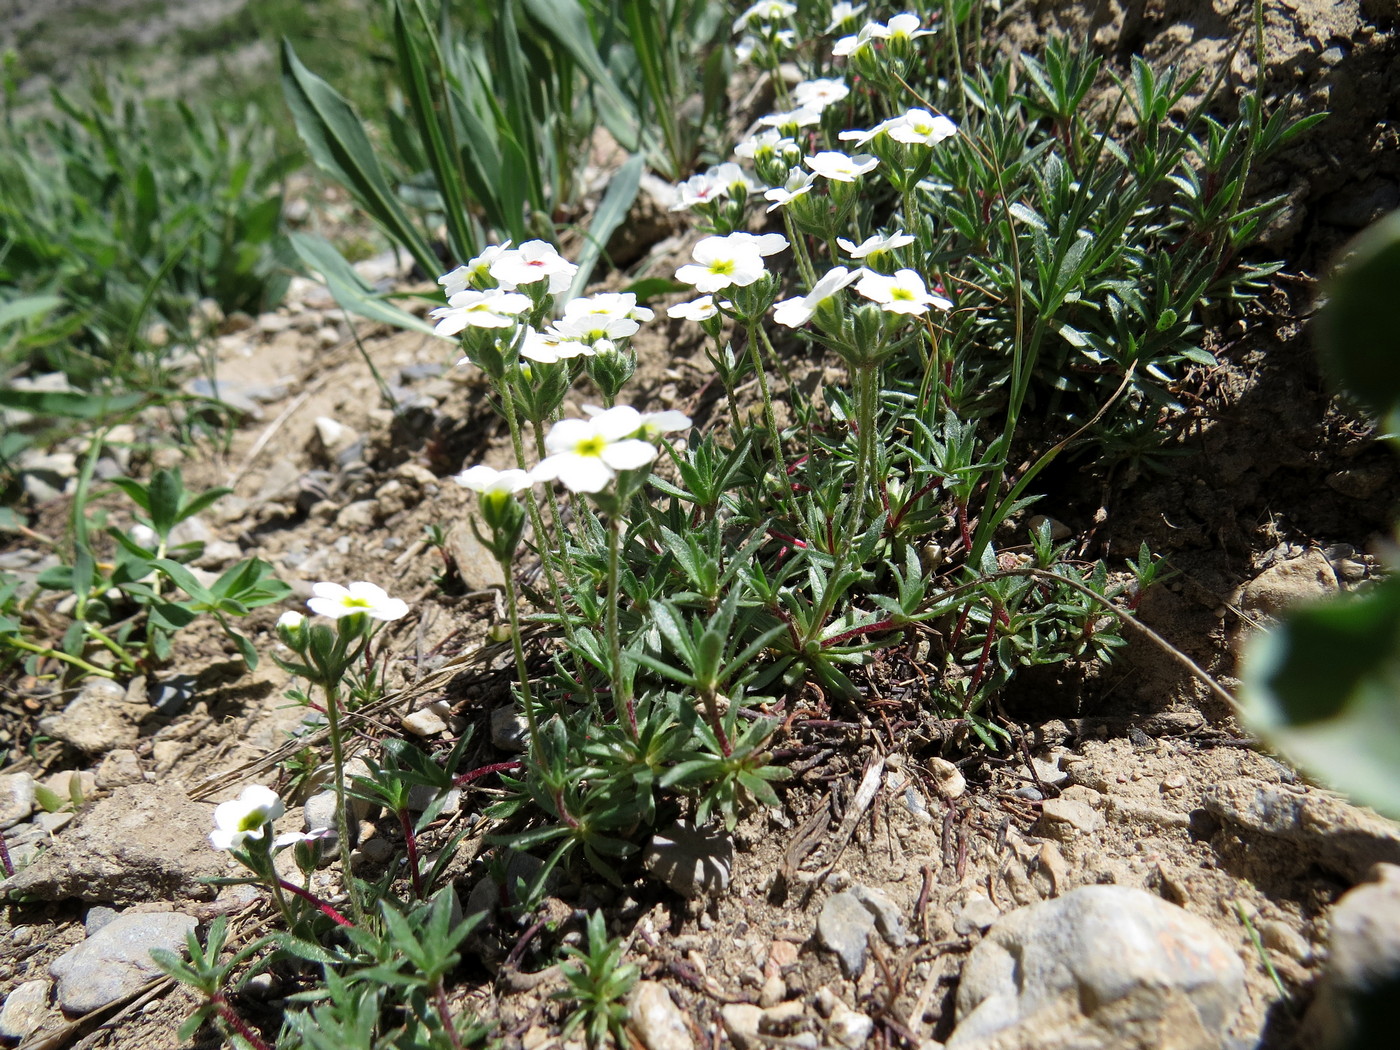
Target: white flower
point(919, 126)
point(592, 330)
point(335, 601)
point(796, 312)
point(765, 11)
point(736, 259)
point(904, 27)
point(798, 182)
point(860, 138)
point(841, 13)
point(460, 279)
point(244, 817)
point(657, 423)
point(698, 189)
point(904, 293)
point(586, 454)
point(493, 308)
point(803, 116)
point(873, 244)
point(838, 167)
point(701, 309)
point(291, 838)
point(764, 144)
point(849, 45)
point(818, 94)
point(533, 261)
point(607, 304)
point(549, 347)
point(291, 620)
point(489, 481)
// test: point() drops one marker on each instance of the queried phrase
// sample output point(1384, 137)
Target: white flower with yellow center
point(818, 94)
point(245, 817)
point(586, 454)
point(873, 244)
point(920, 127)
point(736, 259)
point(902, 293)
point(836, 166)
point(701, 309)
point(335, 601)
point(795, 312)
point(472, 309)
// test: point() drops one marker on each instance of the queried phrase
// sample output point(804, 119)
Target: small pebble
point(1175, 782)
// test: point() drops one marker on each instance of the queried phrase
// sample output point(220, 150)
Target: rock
point(25, 1009)
point(1063, 818)
point(741, 1021)
point(772, 991)
point(476, 565)
point(16, 798)
point(218, 555)
point(977, 913)
point(780, 1016)
point(510, 731)
point(426, 721)
point(844, 926)
point(948, 780)
point(119, 768)
point(689, 860)
point(116, 961)
point(1326, 830)
point(1355, 998)
point(97, 917)
point(1049, 771)
point(1281, 937)
point(362, 514)
point(656, 1019)
point(888, 919)
point(174, 694)
point(145, 842)
point(851, 1028)
point(98, 720)
point(1284, 583)
point(1101, 967)
point(421, 796)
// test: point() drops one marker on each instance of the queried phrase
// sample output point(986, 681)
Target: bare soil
point(1271, 467)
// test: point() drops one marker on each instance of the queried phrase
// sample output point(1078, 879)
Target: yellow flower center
point(901, 293)
point(592, 446)
point(724, 266)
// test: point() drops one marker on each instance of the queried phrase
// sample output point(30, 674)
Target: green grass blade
point(346, 286)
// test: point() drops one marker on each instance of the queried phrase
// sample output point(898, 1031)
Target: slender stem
point(321, 906)
point(445, 1014)
point(513, 610)
point(58, 654)
point(410, 841)
point(622, 682)
point(775, 442)
point(231, 1017)
point(799, 250)
point(5, 861)
point(342, 822)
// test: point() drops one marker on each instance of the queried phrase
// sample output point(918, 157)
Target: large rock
point(1322, 828)
point(116, 960)
point(1101, 967)
point(146, 842)
point(1357, 997)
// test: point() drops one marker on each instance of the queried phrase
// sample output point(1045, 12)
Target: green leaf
point(166, 492)
point(70, 404)
point(1359, 338)
point(349, 290)
point(337, 142)
point(612, 210)
point(1324, 687)
point(26, 307)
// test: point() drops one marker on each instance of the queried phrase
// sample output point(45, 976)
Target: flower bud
point(291, 629)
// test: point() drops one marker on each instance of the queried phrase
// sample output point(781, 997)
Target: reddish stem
point(411, 844)
point(231, 1018)
point(494, 767)
point(321, 906)
point(854, 632)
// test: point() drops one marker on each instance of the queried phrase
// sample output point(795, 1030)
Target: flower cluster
point(584, 454)
point(483, 293)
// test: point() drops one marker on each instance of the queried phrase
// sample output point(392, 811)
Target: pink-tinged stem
point(231, 1018)
point(321, 906)
point(411, 844)
point(854, 632)
point(494, 767)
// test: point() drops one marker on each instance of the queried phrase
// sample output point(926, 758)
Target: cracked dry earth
point(1135, 872)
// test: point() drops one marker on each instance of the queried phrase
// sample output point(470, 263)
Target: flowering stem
point(342, 823)
point(320, 905)
point(513, 610)
point(445, 1014)
point(622, 682)
point(799, 250)
point(775, 443)
point(5, 861)
point(865, 381)
point(76, 661)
